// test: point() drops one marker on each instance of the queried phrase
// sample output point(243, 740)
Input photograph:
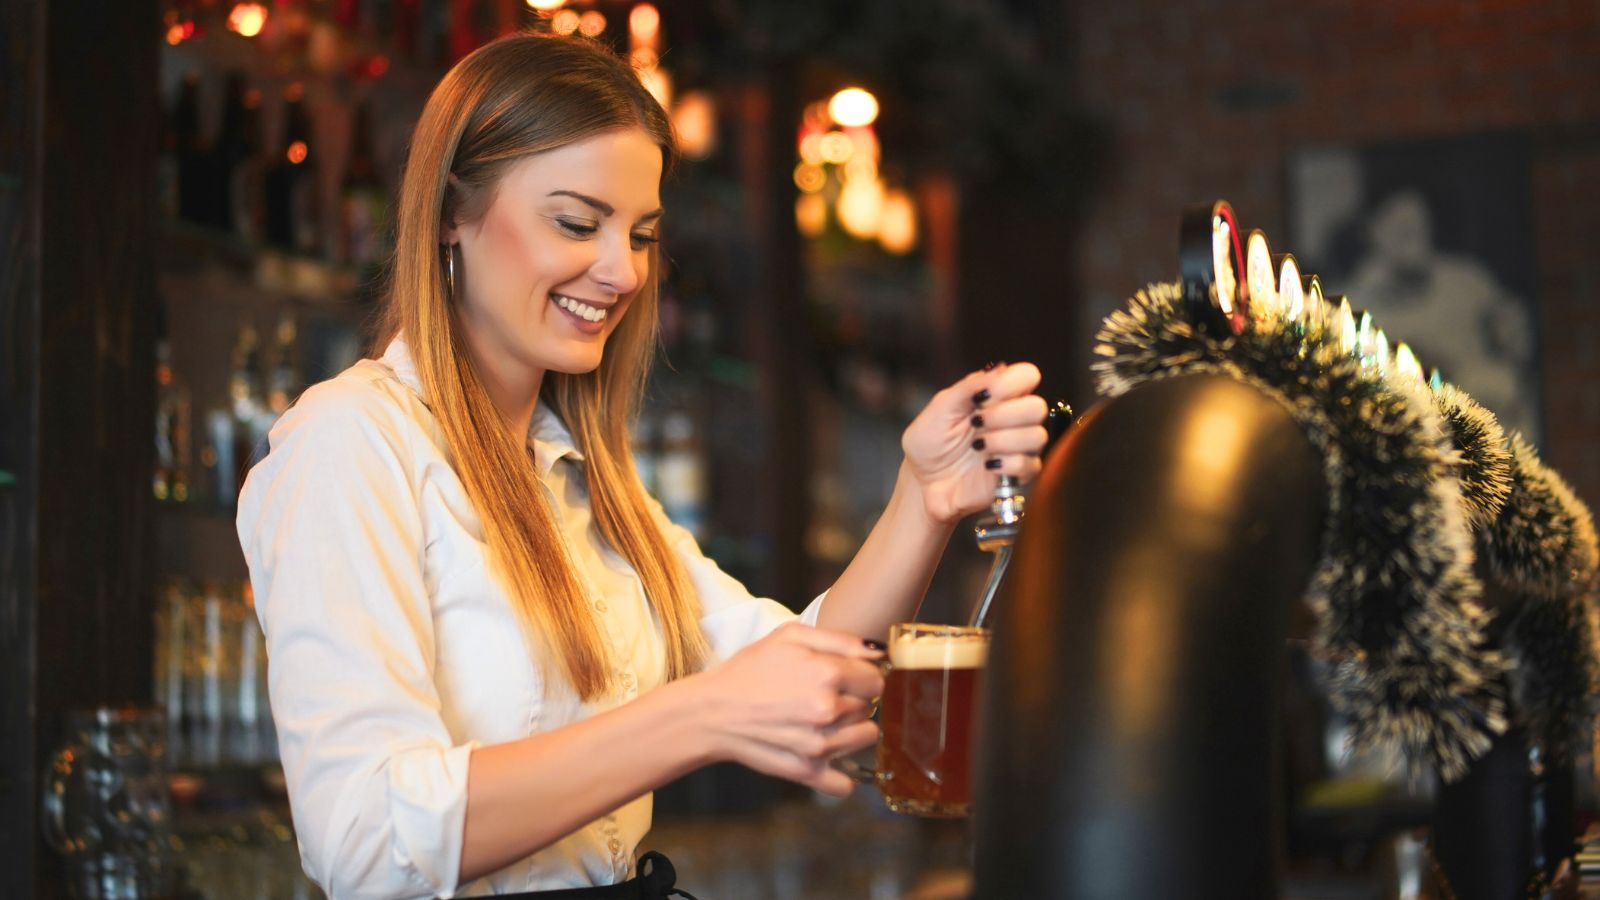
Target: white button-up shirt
point(395, 649)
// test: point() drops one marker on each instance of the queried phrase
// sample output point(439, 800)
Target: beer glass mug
point(106, 806)
point(924, 764)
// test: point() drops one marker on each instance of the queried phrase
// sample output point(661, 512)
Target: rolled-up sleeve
point(730, 615)
point(331, 528)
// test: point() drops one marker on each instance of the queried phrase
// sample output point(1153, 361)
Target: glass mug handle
point(854, 770)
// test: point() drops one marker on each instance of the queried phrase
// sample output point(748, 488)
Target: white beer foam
point(938, 652)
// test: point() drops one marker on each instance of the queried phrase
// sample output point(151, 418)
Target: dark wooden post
point(81, 120)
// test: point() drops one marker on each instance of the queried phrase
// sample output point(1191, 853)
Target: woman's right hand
point(793, 701)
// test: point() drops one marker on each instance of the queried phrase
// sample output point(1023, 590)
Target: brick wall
point(1207, 99)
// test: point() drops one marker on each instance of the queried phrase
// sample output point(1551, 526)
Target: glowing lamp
point(247, 19)
point(853, 108)
point(1291, 294)
point(1258, 275)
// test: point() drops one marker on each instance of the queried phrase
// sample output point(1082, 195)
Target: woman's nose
point(615, 268)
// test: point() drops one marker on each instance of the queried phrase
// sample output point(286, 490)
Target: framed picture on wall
point(1435, 238)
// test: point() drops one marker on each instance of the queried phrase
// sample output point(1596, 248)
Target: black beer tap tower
point(1261, 446)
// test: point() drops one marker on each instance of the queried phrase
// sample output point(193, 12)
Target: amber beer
point(924, 760)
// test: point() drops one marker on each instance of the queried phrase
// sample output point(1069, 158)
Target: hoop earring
point(450, 271)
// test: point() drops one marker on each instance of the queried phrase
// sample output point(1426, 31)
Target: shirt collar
point(547, 434)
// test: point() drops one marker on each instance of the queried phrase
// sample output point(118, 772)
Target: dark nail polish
point(991, 366)
point(992, 462)
point(880, 646)
point(979, 397)
point(977, 421)
point(979, 444)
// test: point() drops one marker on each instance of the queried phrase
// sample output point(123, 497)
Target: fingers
point(1016, 412)
point(1023, 466)
point(991, 386)
point(804, 757)
point(825, 640)
point(1020, 440)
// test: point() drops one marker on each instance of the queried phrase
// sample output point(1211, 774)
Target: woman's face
point(553, 265)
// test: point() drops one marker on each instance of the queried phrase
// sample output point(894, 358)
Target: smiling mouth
point(581, 309)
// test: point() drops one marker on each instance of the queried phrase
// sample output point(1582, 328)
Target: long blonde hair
point(520, 95)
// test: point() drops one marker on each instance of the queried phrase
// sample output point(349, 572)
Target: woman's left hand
point(988, 424)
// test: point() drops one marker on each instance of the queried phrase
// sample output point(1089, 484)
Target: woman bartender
point(487, 643)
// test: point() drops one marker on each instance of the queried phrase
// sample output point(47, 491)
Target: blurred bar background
point(194, 200)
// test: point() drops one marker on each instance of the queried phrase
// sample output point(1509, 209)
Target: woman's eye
point(580, 229)
point(641, 241)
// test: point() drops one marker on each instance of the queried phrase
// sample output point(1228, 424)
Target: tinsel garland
point(1397, 604)
point(1541, 554)
point(1485, 470)
point(1543, 541)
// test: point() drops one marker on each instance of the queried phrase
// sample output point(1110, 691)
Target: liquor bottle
point(167, 162)
point(190, 153)
point(680, 472)
point(171, 482)
point(362, 202)
point(232, 431)
point(229, 150)
point(293, 210)
point(238, 159)
point(283, 379)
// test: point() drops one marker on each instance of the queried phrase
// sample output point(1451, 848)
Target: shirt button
point(600, 606)
point(615, 845)
point(628, 681)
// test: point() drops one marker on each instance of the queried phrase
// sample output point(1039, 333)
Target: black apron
point(656, 884)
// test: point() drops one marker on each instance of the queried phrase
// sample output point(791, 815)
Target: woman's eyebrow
point(603, 207)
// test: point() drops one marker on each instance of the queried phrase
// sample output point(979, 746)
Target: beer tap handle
point(997, 531)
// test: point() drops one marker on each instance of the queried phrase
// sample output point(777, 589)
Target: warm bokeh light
point(1226, 281)
point(811, 214)
point(294, 91)
point(1347, 326)
point(1406, 364)
point(1380, 351)
point(694, 118)
point(643, 23)
point(837, 148)
point(860, 165)
point(1258, 275)
point(564, 22)
point(853, 107)
point(659, 84)
point(297, 152)
point(811, 148)
point(815, 116)
point(898, 230)
point(546, 5)
point(248, 19)
point(175, 35)
point(809, 178)
point(591, 23)
point(1291, 293)
point(861, 208)
point(644, 58)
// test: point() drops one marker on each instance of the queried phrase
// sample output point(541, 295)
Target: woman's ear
point(449, 227)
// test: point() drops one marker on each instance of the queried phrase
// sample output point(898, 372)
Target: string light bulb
point(564, 22)
point(1258, 275)
point(1406, 364)
point(853, 108)
point(1347, 326)
point(644, 22)
point(1291, 295)
point(591, 23)
point(247, 19)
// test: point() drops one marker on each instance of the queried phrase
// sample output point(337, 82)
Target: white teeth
point(580, 309)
